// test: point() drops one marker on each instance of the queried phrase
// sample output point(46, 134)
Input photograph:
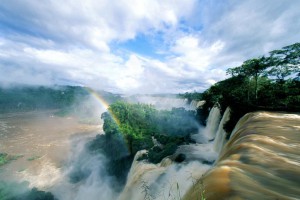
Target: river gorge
point(259, 161)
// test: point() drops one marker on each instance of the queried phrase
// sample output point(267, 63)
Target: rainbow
point(103, 103)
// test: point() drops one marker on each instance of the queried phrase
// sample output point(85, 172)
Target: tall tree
point(250, 69)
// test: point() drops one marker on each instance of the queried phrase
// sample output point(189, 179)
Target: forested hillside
point(269, 82)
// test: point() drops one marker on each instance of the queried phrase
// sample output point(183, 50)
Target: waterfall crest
point(260, 161)
point(196, 104)
point(221, 133)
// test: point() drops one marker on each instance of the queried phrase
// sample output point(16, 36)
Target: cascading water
point(196, 104)
point(193, 104)
point(208, 133)
point(168, 179)
point(260, 161)
point(221, 133)
point(212, 123)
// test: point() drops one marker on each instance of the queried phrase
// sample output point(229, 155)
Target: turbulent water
point(220, 138)
point(208, 133)
point(43, 142)
point(260, 161)
point(50, 148)
point(169, 179)
point(212, 123)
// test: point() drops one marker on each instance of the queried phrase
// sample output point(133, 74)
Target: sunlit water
point(43, 141)
point(260, 161)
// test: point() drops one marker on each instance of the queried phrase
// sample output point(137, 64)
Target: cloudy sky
point(138, 46)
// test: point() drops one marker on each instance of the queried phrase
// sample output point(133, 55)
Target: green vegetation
point(32, 98)
point(5, 158)
point(37, 98)
point(32, 158)
point(265, 83)
point(132, 127)
point(141, 125)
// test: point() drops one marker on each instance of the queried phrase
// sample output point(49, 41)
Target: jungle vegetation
point(270, 83)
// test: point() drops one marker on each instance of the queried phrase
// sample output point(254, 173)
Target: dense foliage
point(31, 98)
point(144, 127)
point(264, 83)
point(27, 98)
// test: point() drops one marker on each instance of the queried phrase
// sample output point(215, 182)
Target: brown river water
point(42, 140)
point(260, 161)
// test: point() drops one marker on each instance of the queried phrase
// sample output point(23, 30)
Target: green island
point(132, 127)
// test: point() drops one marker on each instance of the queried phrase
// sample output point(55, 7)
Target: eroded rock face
point(260, 161)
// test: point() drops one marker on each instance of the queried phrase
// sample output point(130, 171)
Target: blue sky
point(138, 46)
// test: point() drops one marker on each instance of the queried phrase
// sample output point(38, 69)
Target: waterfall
point(193, 104)
point(167, 179)
point(200, 104)
point(221, 134)
point(260, 161)
point(196, 104)
point(212, 123)
point(208, 133)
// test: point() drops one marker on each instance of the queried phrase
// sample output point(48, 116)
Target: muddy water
point(260, 161)
point(43, 142)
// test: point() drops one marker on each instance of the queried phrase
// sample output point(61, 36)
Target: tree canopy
point(265, 83)
point(141, 125)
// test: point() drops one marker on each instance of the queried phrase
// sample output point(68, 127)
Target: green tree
point(284, 62)
point(250, 69)
point(140, 124)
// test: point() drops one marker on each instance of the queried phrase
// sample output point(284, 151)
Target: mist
point(161, 102)
point(66, 143)
point(85, 175)
point(45, 130)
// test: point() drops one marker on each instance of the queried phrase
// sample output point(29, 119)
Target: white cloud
point(193, 54)
point(94, 23)
point(252, 28)
point(46, 42)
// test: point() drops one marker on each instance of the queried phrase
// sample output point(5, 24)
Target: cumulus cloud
point(251, 28)
point(193, 41)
